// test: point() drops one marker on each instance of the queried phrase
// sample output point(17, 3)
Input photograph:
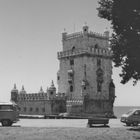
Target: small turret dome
point(85, 29)
point(41, 90)
point(106, 32)
point(52, 87)
point(14, 89)
point(22, 90)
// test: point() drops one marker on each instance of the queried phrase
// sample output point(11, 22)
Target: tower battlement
point(87, 33)
point(84, 40)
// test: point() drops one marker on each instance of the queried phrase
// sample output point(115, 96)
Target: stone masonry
point(85, 85)
point(85, 72)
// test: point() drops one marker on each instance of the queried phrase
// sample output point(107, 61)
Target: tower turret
point(51, 91)
point(41, 90)
point(14, 94)
point(85, 29)
point(89, 51)
point(22, 90)
point(106, 33)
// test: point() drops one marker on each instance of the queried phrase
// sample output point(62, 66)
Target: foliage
point(124, 16)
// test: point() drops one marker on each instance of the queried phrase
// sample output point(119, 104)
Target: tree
point(124, 16)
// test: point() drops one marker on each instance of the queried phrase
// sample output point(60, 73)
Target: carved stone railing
point(97, 35)
point(74, 102)
point(73, 35)
point(92, 51)
point(89, 34)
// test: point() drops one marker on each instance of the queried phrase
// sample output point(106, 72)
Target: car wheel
point(6, 123)
point(128, 124)
point(135, 123)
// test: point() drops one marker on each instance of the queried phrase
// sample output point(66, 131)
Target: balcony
point(78, 52)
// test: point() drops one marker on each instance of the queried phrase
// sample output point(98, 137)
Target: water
point(119, 110)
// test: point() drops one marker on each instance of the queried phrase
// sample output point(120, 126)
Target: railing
point(73, 35)
point(74, 102)
point(99, 35)
point(92, 51)
point(38, 97)
point(90, 34)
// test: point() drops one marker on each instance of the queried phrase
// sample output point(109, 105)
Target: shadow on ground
point(12, 126)
point(99, 126)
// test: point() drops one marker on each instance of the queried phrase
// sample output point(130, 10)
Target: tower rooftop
point(85, 32)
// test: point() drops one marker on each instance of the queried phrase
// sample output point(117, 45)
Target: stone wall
point(91, 71)
point(42, 107)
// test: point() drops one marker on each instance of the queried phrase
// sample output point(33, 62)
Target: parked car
point(9, 113)
point(99, 120)
point(131, 118)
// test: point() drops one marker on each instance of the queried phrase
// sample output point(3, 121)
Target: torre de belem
point(85, 85)
point(85, 73)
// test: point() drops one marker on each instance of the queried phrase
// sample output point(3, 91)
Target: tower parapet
point(87, 33)
point(51, 91)
point(89, 51)
point(22, 90)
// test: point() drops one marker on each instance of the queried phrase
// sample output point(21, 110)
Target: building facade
point(85, 72)
point(41, 103)
point(85, 85)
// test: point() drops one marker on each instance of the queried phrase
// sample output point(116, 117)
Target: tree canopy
point(124, 16)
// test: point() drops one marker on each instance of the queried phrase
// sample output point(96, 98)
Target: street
point(79, 123)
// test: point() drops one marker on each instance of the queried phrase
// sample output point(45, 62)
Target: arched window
point(99, 86)
point(58, 77)
point(73, 48)
point(98, 62)
point(31, 109)
point(99, 73)
point(25, 109)
point(71, 88)
point(96, 46)
point(71, 62)
point(37, 109)
point(43, 109)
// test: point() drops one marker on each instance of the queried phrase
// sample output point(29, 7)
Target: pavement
point(77, 123)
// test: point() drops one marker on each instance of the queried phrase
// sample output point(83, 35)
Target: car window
point(137, 112)
point(4, 107)
point(130, 112)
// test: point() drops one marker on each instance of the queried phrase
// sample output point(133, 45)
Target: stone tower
point(51, 91)
point(85, 72)
point(14, 94)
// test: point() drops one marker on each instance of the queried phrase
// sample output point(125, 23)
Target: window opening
point(43, 109)
point(71, 62)
point(31, 109)
point(71, 88)
point(98, 62)
point(58, 77)
point(37, 109)
point(25, 109)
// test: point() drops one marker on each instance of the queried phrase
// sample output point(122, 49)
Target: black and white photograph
point(69, 70)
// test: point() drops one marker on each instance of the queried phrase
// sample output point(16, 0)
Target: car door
point(136, 116)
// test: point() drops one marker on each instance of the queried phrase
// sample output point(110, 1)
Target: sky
point(31, 36)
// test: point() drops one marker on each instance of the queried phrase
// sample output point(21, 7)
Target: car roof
point(135, 109)
point(7, 103)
